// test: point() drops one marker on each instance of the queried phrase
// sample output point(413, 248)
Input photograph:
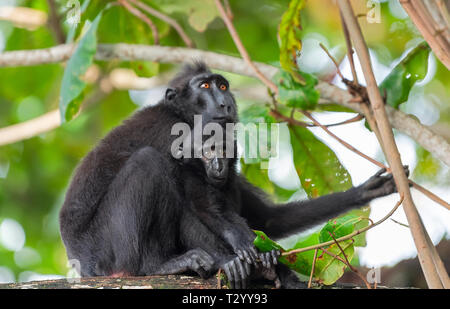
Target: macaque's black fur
point(126, 211)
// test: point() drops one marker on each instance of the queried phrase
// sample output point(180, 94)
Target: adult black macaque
point(123, 208)
point(126, 211)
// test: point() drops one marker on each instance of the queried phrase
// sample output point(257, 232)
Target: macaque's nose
point(218, 166)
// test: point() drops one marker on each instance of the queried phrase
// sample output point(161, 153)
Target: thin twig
point(334, 61)
point(350, 51)
point(430, 195)
point(241, 48)
point(312, 268)
point(337, 257)
point(342, 141)
point(346, 237)
point(399, 223)
point(166, 19)
point(228, 9)
point(352, 268)
point(219, 282)
point(275, 113)
point(426, 192)
point(142, 17)
point(54, 22)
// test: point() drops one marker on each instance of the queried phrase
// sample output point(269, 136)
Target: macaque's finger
point(263, 258)
point(240, 254)
point(250, 259)
point(242, 273)
point(380, 172)
point(254, 254)
point(275, 255)
point(229, 274)
point(237, 280)
point(247, 269)
point(406, 168)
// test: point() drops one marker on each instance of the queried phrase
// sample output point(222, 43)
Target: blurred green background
point(35, 173)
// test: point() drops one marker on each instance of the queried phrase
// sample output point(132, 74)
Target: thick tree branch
point(432, 25)
point(408, 125)
point(391, 152)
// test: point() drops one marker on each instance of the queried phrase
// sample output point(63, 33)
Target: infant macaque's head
point(210, 159)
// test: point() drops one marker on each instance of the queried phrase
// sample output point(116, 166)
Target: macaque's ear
point(171, 94)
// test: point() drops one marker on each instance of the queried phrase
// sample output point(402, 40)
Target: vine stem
point(241, 48)
point(390, 148)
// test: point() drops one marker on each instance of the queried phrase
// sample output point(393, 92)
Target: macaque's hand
point(379, 185)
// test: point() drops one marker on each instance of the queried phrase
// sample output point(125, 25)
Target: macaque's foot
point(378, 185)
point(237, 272)
point(200, 261)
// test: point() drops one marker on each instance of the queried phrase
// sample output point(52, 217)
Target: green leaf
point(301, 262)
point(72, 86)
point(362, 213)
point(289, 33)
point(402, 78)
point(338, 227)
point(294, 94)
point(258, 177)
point(264, 243)
point(329, 269)
point(255, 113)
point(318, 168)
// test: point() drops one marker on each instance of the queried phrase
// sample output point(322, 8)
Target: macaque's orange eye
point(204, 85)
point(223, 87)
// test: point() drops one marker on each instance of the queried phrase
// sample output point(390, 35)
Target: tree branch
point(391, 152)
point(408, 125)
point(433, 27)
